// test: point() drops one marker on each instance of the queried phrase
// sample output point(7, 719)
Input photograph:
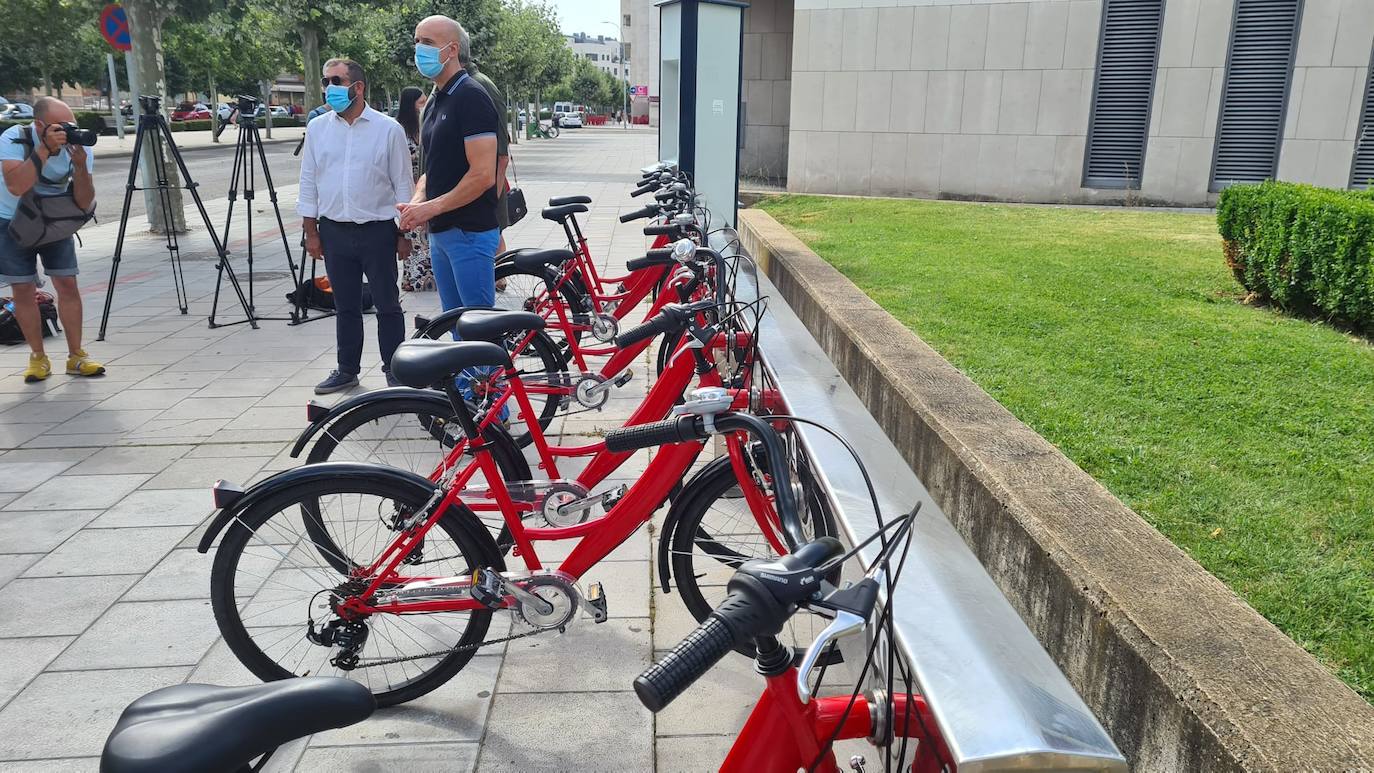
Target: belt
point(347, 224)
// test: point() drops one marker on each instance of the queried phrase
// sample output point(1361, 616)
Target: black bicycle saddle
point(420, 363)
point(482, 325)
point(205, 728)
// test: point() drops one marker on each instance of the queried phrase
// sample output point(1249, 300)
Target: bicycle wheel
point(544, 370)
point(414, 434)
point(553, 132)
point(525, 291)
point(715, 532)
point(269, 586)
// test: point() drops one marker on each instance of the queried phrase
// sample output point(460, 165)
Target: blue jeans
point(465, 275)
point(464, 271)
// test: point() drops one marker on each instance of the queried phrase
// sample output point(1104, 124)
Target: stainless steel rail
point(1000, 701)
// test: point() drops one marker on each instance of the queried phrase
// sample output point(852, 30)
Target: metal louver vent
point(1259, 68)
point(1362, 167)
point(1126, 59)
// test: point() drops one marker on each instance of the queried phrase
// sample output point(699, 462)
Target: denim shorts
point(20, 266)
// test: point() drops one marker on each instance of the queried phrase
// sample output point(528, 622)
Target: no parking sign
point(114, 27)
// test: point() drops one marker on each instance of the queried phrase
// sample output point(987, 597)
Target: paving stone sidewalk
point(104, 487)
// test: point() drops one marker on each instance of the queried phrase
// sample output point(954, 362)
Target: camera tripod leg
point(129, 187)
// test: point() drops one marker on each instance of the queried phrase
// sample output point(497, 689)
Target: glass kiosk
point(700, 51)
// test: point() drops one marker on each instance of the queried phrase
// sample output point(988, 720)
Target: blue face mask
point(427, 60)
point(338, 97)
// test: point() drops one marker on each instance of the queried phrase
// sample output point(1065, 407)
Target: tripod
point(153, 125)
point(249, 143)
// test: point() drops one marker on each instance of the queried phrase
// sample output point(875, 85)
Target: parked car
point(16, 111)
point(191, 111)
point(570, 121)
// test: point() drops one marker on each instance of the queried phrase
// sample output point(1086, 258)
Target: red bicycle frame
point(783, 734)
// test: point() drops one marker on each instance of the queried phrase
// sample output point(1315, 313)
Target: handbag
point(43, 219)
point(516, 209)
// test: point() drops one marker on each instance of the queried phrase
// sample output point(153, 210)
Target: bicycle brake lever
point(845, 623)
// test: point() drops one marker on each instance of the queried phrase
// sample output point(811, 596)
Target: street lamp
point(625, 71)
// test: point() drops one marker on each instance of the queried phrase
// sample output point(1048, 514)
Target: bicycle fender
point(297, 476)
point(352, 403)
point(444, 321)
point(665, 537)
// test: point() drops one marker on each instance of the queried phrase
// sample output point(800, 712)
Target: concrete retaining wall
point(1182, 672)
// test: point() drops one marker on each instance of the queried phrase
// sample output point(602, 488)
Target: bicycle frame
point(784, 734)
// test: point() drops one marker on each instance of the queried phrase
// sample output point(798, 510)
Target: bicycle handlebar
point(659, 257)
point(691, 427)
point(638, 214)
point(754, 608)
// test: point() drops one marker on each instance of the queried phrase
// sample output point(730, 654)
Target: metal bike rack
point(1000, 701)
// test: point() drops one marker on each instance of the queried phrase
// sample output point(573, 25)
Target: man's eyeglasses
point(334, 80)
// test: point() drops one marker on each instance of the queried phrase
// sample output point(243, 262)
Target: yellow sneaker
point(39, 369)
point(80, 364)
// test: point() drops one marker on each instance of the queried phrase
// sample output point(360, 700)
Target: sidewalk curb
point(129, 152)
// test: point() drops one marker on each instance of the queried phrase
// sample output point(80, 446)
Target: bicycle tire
point(552, 370)
point(573, 295)
point(476, 552)
point(504, 452)
point(698, 551)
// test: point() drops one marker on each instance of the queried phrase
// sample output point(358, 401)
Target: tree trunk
point(47, 84)
point(213, 96)
point(267, 100)
point(145, 32)
point(310, 53)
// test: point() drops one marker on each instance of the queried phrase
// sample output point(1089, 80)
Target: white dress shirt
point(354, 173)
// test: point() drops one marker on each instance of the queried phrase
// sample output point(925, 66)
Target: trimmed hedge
point(1304, 249)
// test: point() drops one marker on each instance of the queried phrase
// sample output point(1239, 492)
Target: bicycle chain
point(372, 663)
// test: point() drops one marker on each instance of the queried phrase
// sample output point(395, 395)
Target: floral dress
point(417, 274)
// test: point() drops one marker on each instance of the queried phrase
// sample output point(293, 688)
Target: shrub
point(1305, 249)
point(189, 126)
point(90, 120)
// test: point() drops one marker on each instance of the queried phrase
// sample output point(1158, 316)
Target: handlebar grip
point(639, 214)
point(676, 430)
point(656, 324)
point(687, 662)
point(643, 189)
point(660, 229)
point(650, 260)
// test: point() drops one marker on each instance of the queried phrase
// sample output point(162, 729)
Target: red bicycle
point(789, 728)
point(392, 578)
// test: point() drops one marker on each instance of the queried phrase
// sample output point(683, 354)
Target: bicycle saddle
point(558, 201)
point(558, 213)
point(420, 363)
point(201, 727)
point(494, 325)
point(534, 261)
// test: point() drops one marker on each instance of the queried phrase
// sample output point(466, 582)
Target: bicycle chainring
point(555, 590)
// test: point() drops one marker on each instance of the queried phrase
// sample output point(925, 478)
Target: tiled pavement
point(104, 487)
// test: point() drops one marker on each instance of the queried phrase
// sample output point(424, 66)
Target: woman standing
point(417, 273)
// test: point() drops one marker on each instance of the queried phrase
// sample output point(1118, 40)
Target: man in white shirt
point(355, 169)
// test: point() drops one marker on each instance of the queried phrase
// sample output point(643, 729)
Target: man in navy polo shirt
point(456, 195)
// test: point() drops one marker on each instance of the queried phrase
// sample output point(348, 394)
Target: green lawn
point(1245, 437)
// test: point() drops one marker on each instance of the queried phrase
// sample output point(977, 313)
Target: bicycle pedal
point(610, 498)
point(623, 378)
point(487, 588)
point(596, 602)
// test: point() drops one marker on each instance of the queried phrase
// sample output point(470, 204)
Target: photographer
point(39, 158)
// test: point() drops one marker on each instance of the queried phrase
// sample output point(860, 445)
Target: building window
point(1362, 166)
point(1119, 125)
point(627, 20)
point(1259, 68)
point(591, 57)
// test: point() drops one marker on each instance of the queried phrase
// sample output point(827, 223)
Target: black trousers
point(352, 251)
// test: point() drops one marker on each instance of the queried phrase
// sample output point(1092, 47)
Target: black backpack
point(10, 333)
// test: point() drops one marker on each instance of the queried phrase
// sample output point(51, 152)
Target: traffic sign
point(114, 27)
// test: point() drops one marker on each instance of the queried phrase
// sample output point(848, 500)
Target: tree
point(527, 52)
point(42, 37)
point(148, 76)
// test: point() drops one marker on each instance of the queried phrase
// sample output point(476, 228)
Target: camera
point(151, 104)
point(77, 135)
point(247, 105)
